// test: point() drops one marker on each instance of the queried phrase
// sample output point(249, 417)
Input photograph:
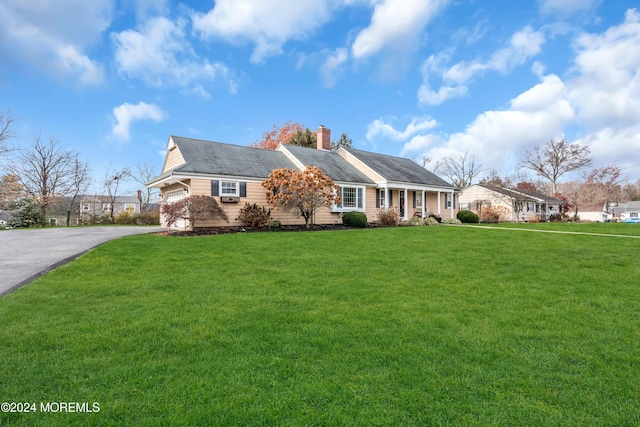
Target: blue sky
point(113, 79)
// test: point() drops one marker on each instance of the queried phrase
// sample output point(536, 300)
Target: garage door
point(171, 197)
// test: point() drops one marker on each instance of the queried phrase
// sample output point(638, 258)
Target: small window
point(418, 199)
point(449, 201)
point(228, 188)
point(130, 208)
point(382, 192)
point(86, 207)
point(106, 206)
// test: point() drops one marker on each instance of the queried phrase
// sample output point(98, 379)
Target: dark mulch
point(230, 230)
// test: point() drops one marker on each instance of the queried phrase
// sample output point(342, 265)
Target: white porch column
point(386, 197)
point(452, 204)
point(439, 197)
point(424, 202)
point(406, 204)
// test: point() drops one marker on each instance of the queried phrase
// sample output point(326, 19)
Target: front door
point(401, 203)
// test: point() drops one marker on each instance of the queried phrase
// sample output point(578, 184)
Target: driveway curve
point(28, 253)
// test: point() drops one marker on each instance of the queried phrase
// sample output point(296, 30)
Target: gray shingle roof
point(532, 196)
point(216, 158)
point(332, 164)
point(398, 169)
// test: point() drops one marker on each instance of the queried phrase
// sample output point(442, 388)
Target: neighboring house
point(92, 207)
point(4, 218)
point(514, 205)
point(623, 210)
point(233, 175)
point(590, 212)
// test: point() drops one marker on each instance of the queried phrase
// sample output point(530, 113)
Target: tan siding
point(200, 187)
point(174, 159)
point(361, 166)
point(370, 207)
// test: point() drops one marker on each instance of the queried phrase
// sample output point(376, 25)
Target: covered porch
point(417, 201)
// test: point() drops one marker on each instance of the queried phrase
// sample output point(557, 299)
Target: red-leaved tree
point(301, 193)
point(192, 209)
point(278, 135)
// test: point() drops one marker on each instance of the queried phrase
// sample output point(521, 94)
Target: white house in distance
point(514, 205)
point(624, 210)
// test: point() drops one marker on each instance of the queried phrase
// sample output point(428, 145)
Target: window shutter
point(360, 202)
point(243, 189)
point(415, 196)
point(390, 198)
point(377, 197)
point(215, 187)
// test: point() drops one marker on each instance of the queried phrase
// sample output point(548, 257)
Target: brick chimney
point(324, 138)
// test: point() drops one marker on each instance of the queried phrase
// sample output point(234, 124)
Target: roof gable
point(332, 164)
point(397, 169)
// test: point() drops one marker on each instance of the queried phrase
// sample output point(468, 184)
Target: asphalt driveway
point(28, 253)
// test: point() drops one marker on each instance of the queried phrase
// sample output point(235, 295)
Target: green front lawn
point(405, 326)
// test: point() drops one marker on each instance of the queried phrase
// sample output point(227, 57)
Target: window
point(228, 188)
point(106, 206)
point(449, 201)
point(418, 196)
point(352, 198)
point(130, 208)
point(382, 193)
point(86, 207)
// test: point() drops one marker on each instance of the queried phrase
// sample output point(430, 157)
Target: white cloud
point(606, 89)
point(379, 129)
point(523, 45)
point(497, 138)
point(599, 101)
point(126, 114)
point(395, 24)
point(159, 54)
point(268, 24)
point(332, 66)
point(48, 36)
point(564, 8)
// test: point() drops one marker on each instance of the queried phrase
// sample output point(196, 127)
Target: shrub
point(26, 214)
point(104, 219)
point(124, 218)
point(468, 217)
point(274, 225)
point(148, 218)
point(254, 216)
point(557, 217)
point(431, 221)
point(416, 221)
point(493, 214)
point(451, 221)
point(388, 217)
point(354, 219)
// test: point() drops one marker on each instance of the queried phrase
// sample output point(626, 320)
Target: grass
point(407, 326)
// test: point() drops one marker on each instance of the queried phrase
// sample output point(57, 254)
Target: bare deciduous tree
point(79, 181)
point(6, 120)
point(556, 159)
point(143, 174)
point(608, 181)
point(461, 169)
point(112, 181)
point(44, 171)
